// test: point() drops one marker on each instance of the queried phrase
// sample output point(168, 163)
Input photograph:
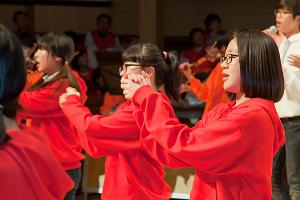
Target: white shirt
point(92, 48)
point(289, 105)
point(48, 78)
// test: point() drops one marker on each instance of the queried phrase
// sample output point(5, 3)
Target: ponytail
point(172, 75)
point(165, 64)
point(71, 78)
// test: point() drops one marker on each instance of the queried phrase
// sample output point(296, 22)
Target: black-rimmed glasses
point(123, 68)
point(228, 58)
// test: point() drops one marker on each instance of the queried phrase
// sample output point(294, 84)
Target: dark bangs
point(134, 53)
point(58, 45)
point(45, 42)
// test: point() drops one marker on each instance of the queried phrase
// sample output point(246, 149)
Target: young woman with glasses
point(130, 172)
point(232, 148)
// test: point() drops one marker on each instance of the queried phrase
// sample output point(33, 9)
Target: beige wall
point(179, 16)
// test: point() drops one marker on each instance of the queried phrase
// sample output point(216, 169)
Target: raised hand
point(213, 52)
point(186, 70)
point(130, 83)
point(185, 87)
point(69, 91)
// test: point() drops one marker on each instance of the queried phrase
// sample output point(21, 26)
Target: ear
point(58, 59)
point(297, 19)
point(150, 70)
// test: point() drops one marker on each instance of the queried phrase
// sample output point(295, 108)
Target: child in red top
point(40, 103)
point(130, 172)
point(197, 36)
point(28, 168)
point(233, 146)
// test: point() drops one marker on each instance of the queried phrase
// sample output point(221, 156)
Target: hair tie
point(165, 55)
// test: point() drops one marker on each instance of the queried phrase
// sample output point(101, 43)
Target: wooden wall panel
point(6, 14)
point(125, 15)
point(178, 16)
point(61, 18)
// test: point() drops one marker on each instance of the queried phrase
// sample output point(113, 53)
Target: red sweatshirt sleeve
point(150, 144)
point(212, 149)
point(43, 100)
point(82, 86)
point(113, 133)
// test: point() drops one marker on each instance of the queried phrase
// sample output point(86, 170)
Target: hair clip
point(165, 55)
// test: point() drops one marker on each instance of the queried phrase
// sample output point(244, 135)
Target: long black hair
point(12, 76)
point(165, 64)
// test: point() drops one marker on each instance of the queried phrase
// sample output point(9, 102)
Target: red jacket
point(29, 169)
point(231, 149)
point(41, 108)
point(130, 172)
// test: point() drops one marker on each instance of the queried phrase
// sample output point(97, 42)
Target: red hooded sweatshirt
point(29, 169)
point(41, 108)
point(231, 149)
point(130, 172)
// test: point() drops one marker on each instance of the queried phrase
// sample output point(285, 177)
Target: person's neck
point(214, 32)
point(240, 98)
point(292, 33)
point(54, 70)
point(10, 124)
point(198, 46)
point(155, 88)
